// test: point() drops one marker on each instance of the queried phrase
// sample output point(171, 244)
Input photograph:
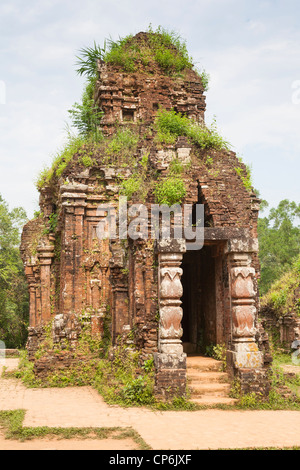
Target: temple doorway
point(203, 299)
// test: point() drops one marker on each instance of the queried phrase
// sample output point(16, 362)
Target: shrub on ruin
point(170, 191)
point(173, 123)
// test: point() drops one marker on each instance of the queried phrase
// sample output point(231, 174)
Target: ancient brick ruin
point(176, 301)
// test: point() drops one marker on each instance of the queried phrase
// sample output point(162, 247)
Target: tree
point(14, 306)
point(279, 241)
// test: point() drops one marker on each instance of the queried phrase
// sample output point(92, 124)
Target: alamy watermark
point(2, 92)
point(296, 352)
point(2, 353)
point(296, 94)
point(159, 222)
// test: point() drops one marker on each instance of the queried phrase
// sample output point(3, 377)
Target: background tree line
point(14, 302)
point(279, 240)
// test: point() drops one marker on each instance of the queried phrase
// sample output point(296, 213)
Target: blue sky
point(251, 51)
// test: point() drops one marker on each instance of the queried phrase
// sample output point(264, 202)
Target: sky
point(251, 51)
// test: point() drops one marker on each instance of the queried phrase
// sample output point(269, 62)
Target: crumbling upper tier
point(135, 94)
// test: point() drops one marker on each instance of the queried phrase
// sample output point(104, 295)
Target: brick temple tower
point(177, 301)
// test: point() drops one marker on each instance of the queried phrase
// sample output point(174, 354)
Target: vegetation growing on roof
point(137, 183)
point(122, 145)
point(61, 160)
point(245, 175)
point(87, 60)
point(120, 149)
point(155, 48)
point(171, 124)
point(170, 190)
point(159, 47)
point(86, 116)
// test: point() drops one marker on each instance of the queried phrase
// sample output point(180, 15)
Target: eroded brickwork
point(72, 273)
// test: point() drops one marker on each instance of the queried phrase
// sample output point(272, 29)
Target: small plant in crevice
point(246, 177)
point(53, 221)
point(218, 352)
point(205, 77)
point(137, 184)
point(121, 147)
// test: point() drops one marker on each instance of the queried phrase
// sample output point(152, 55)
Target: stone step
point(211, 400)
point(197, 376)
point(203, 363)
point(212, 389)
point(207, 383)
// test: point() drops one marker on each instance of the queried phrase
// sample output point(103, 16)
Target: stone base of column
point(170, 375)
point(245, 355)
point(254, 381)
point(245, 364)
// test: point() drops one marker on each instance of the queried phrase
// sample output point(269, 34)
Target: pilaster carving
point(45, 256)
point(170, 361)
point(170, 293)
point(243, 311)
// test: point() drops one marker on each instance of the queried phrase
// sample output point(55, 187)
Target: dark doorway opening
point(128, 114)
point(199, 301)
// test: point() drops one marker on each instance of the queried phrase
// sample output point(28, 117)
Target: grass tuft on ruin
point(283, 296)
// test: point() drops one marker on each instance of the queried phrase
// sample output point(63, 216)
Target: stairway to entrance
point(207, 384)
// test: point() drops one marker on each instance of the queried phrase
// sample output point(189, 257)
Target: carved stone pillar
point(45, 255)
point(170, 361)
point(73, 201)
point(170, 311)
point(245, 353)
point(119, 282)
point(32, 295)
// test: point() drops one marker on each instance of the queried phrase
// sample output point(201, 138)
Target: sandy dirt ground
point(160, 430)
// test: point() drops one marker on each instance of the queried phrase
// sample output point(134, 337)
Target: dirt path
point(68, 444)
point(170, 430)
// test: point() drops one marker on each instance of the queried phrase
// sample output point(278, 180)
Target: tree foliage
point(13, 289)
point(279, 241)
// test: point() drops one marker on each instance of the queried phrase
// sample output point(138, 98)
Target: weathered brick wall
point(71, 272)
point(88, 274)
point(284, 329)
point(135, 97)
point(254, 381)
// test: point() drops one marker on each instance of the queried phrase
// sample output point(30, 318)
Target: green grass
point(12, 423)
point(122, 145)
point(119, 149)
point(160, 47)
point(281, 296)
point(246, 177)
point(170, 123)
point(169, 191)
point(164, 48)
point(61, 160)
point(86, 116)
